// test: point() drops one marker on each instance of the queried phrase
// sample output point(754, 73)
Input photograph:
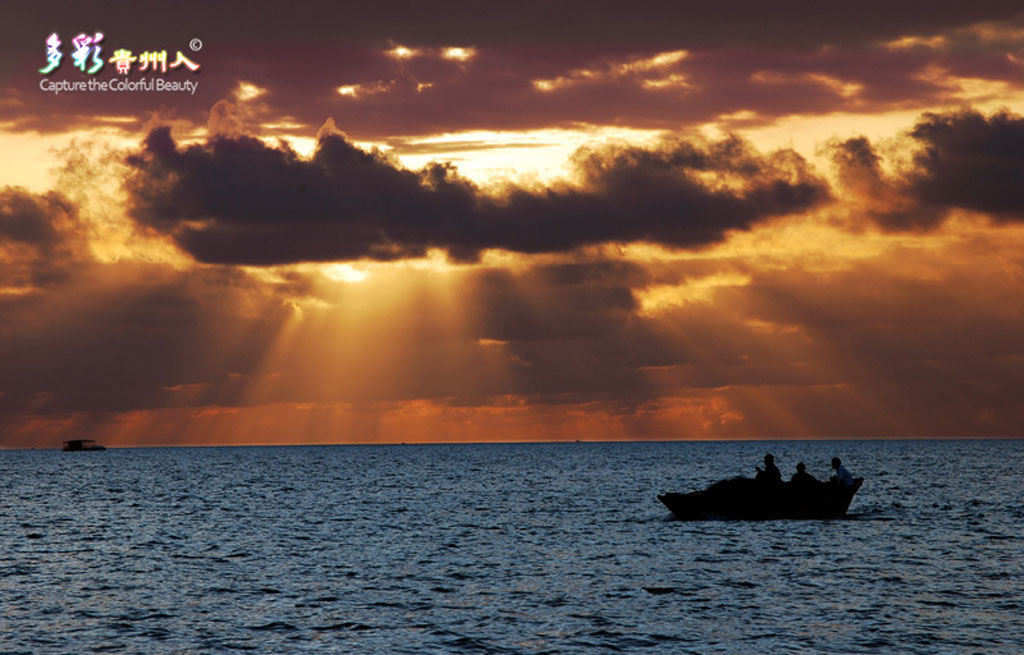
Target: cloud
point(225, 121)
point(789, 328)
point(533, 67)
point(39, 239)
point(872, 193)
point(971, 161)
point(1008, 34)
point(960, 160)
point(82, 335)
point(111, 336)
point(28, 218)
point(237, 200)
point(917, 339)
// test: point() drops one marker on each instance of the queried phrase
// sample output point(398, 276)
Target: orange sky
point(601, 229)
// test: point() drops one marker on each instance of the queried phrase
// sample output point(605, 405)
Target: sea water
point(525, 548)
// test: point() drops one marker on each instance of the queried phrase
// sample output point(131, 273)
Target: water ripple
point(544, 548)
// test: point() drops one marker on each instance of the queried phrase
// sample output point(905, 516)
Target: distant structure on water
point(75, 445)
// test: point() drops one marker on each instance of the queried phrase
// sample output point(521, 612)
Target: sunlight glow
point(28, 156)
point(344, 273)
point(672, 81)
point(458, 53)
point(248, 91)
point(659, 60)
point(973, 90)
point(622, 69)
point(661, 297)
point(914, 42)
point(840, 87)
point(116, 120)
point(402, 52)
point(357, 90)
point(285, 124)
point(487, 156)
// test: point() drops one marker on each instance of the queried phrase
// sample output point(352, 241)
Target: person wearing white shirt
point(843, 475)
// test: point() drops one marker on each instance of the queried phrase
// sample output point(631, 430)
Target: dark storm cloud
point(240, 201)
point(962, 160)
point(28, 218)
point(972, 162)
point(39, 244)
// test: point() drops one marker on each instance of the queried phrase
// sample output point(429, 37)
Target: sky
point(333, 222)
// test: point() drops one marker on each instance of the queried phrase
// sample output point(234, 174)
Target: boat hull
point(746, 499)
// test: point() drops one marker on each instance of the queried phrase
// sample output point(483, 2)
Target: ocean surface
point(524, 548)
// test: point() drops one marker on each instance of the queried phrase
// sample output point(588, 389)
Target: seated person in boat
point(802, 477)
point(771, 473)
point(843, 475)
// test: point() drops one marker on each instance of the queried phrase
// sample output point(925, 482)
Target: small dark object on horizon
point(76, 445)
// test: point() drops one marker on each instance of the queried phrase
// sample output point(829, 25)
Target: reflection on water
point(504, 548)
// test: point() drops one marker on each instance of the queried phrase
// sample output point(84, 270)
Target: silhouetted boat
point(75, 445)
point(752, 500)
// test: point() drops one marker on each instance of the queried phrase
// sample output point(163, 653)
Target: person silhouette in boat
point(843, 475)
point(802, 478)
point(770, 474)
